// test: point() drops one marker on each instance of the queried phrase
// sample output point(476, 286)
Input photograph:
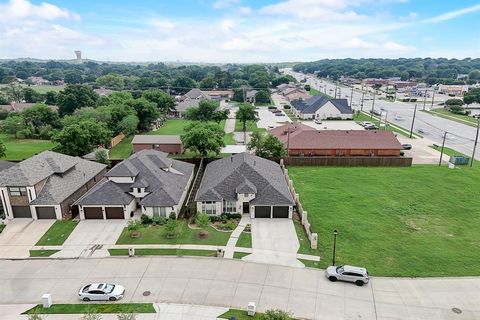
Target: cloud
point(244, 10)
point(312, 9)
point(23, 9)
point(453, 14)
point(221, 4)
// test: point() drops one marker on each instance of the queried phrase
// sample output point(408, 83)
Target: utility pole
point(433, 98)
point(244, 94)
point(386, 119)
point(413, 120)
point(476, 140)
point(424, 99)
point(288, 140)
point(373, 105)
point(336, 84)
point(443, 145)
point(395, 96)
point(361, 104)
point(351, 97)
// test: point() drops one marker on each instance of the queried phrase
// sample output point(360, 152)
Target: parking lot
point(268, 119)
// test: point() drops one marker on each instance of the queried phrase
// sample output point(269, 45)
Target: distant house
point(103, 91)
point(4, 165)
point(296, 94)
point(46, 185)
point(321, 107)
point(251, 95)
point(188, 100)
point(147, 179)
point(166, 143)
point(302, 140)
point(219, 94)
point(247, 184)
point(38, 80)
point(456, 90)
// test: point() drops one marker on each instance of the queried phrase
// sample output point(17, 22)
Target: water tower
point(78, 54)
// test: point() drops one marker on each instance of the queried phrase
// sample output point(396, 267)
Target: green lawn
point(184, 235)
point(42, 253)
point(359, 117)
point(451, 152)
point(122, 150)
point(239, 315)
point(164, 252)
point(93, 308)
point(20, 149)
point(240, 255)
point(171, 126)
point(469, 121)
point(40, 88)
point(311, 264)
point(245, 240)
point(305, 247)
point(314, 92)
point(251, 126)
point(415, 221)
point(57, 233)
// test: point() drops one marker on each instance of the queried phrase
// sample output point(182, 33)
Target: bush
point(214, 218)
point(34, 317)
point(170, 228)
point(2, 226)
point(202, 220)
point(172, 216)
point(127, 316)
point(287, 107)
point(133, 225)
point(276, 315)
point(307, 87)
point(91, 316)
point(454, 102)
point(145, 219)
point(232, 215)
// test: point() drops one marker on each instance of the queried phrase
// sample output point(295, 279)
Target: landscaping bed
point(57, 233)
point(416, 221)
point(93, 308)
point(42, 253)
point(164, 252)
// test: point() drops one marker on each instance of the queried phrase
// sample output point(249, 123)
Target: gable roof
point(186, 104)
point(163, 178)
point(224, 178)
point(196, 93)
point(316, 102)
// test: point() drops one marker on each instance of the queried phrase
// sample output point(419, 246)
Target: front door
point(246, 207)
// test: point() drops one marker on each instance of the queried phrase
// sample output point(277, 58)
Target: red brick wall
point(170, 148)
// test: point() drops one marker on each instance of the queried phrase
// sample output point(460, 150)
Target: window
point(229, 206)
point(159, 211)
point(17, 191)
point(209, 207)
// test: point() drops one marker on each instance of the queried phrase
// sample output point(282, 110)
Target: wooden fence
point(116, 140)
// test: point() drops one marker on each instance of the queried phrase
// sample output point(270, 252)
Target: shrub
point(133, 225)
point(276, 315)
point(454, 102)
point(172, 216)
point(126, 316)
point(155, 220)
point(91, 316)
point(286, 107)
point(145, 219)
point(34, 317)
point(248, 228)
point(170, 228)
point(2, 226)
point(214, 218)
point(202, 220)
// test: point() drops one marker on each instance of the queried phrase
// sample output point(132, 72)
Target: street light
point(334, 245)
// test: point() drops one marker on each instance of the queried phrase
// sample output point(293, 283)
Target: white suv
point(357, 275)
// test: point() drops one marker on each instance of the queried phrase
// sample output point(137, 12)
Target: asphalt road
point(460, 137)
point(234, 283)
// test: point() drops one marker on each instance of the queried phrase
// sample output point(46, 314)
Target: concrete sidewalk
point(230, 247)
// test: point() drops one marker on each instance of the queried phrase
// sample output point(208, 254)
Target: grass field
point(251, 126)
point(358, 117)
point(469, 121)
point(314, 92)
point(239, 255)
point(57, 233)
point(42, 253)
point(245, 240)
point(417, 221)
point(20, 149)
point(239, 315)
point(93, 308)
point(184, 235)
point(164, 252)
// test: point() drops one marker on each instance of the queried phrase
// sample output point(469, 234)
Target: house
point(187, 101)
point(321, 107)
point(46, 185)
point(165, 143)
point(302, 140)
point(402, 84)
point(374, 81)
point(219, 94)
point(245, 183)
point(296, 94)
point(251, 95)
point(4, 165)
point(38, 80)
point(147, 180)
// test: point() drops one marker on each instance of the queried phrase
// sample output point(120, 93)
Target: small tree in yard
point(276, 315)
point(170, 228)
point(133, 226)
point(245, 113)
point(102, 156)
point(202, 221)
point(266, 146)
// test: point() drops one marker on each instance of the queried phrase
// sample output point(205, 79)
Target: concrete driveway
point(20, 235)
point(421, 153)
point(274, 241)
point(92, 238)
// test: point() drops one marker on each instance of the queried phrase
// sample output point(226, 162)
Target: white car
point(357, 275)
point(318, 121)
point(101, 292)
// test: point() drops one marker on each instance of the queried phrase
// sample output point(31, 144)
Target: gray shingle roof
point(5, 164)
point(224, 177)
point(186, 104)
point(196, 93)
point(106, 193)
point(316, 102)
point(165, 179)
point(63, 174)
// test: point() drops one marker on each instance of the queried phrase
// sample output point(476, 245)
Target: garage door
point(262, 211)
point(93, 213)
point(46, 213)
point(21, 212)
point(280, 212)
point(114, 212)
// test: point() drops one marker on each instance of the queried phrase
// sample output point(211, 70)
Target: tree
point(111, 81)
point(472, 96)
point(102, 156)
point(183, 84)
point(207, 110)
point(170, 228)
point(266, 145)
point(165, 102)
point(474, 75)
point(203, 138)
point(202, 221)
point(128, 125)
point(262, 96)
point(13, 124)
point(32, 96)
point(454, 102)
point(75, 97)
point(73, 77)
point(78, 139)
point(40, 115)
point(208, 82)
point(3, 150)
point(51, 98)
point(147, 112)
point(246, 112)
point(4, 99)
point(276, 315)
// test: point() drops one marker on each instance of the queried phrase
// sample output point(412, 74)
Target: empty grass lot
point(20, 149)
point(57, 233)
point(184, 235)
point(417, 221)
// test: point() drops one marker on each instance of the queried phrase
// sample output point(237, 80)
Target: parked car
point(371, 127)
point(101, 292)
point(406, 146)
point(398, 117)
point(366, 123)
point(357, 275)
point(279, 114)
point(271, 127)
point(318, 121)
point(421, 130)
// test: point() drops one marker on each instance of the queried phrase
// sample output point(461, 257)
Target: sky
point(247, 31)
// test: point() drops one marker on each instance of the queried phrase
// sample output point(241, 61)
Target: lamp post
point(476, 141)
point(334, 246)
